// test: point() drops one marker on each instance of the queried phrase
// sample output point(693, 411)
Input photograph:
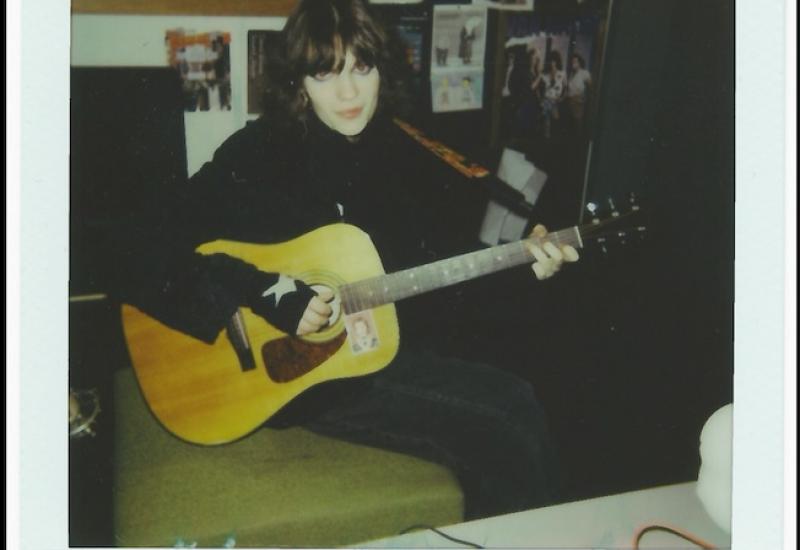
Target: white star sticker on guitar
point(283, 286)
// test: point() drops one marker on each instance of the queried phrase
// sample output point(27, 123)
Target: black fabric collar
point(320, 133)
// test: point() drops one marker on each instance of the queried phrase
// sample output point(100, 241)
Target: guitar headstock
point(614, 223)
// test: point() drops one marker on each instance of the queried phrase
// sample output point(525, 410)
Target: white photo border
point(36, 269)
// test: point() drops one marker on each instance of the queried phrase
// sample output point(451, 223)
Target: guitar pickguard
point(289, 358)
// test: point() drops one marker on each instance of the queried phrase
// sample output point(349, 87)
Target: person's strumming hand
point(317, 314)
point(293, 306)
point(549, 257)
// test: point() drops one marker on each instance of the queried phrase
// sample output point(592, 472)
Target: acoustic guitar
point(211, 394)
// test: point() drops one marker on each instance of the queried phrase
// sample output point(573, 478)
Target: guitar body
point(203, 393)
point(215, 393)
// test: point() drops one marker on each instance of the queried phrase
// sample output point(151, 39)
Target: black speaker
point(666, 101)
point(127, 141)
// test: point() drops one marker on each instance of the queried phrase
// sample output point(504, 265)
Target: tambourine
point(84, 406)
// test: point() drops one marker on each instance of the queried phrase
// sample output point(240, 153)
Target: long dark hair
point(580, 59)
point(555, 57)
point(315, 39)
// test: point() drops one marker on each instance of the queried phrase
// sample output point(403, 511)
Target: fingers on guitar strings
point(325, 294)
point(537, 252)
point(554, 253)
point(320, 305)
point(570, 254)
point(541, 267)
point(307, 326)
point(539, 231)
point(540, 271)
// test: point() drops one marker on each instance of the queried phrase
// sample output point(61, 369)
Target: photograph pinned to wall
point(509, 5)
point(203, 61)
point(457, 62)
point(456, 90)
point(550, 72)
point(459, 37)
point(260, 46)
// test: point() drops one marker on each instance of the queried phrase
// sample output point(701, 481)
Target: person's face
point(345, 100)
point(575, 64)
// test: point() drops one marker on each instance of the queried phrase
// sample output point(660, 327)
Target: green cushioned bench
point(273, 488)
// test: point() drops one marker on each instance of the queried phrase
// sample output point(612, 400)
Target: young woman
point(555, 81)
point(524, 92)
point(578, 86)
point(327, 150)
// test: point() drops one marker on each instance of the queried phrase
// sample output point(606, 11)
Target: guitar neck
point(389, 288)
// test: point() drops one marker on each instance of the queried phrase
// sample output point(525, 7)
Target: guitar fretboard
point(385, 289)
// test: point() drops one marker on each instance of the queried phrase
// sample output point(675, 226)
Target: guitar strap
point(501, 191)
point(454, 159)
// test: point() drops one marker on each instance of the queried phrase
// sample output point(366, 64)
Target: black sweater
point(268, 186)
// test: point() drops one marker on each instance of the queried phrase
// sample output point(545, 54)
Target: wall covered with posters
point(462, 57)
point(142, 41)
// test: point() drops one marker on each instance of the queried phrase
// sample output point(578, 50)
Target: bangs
point(316, 38)
point(324, 38)
point(329, 56)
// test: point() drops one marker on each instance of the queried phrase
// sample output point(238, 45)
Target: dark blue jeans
point(483, 423)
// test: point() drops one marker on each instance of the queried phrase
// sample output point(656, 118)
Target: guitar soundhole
point(289, 358)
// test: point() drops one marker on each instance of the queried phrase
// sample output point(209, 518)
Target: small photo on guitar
point(361, 332)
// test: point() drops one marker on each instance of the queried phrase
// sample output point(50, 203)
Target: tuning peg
point(592, 208)
point(602, 243)
point(613, 207)
point(633, 201)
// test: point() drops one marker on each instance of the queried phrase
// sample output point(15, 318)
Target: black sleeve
point(241, 194)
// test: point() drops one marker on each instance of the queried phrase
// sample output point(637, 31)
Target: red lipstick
point(350, 113)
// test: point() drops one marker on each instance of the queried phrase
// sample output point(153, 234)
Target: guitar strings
point(352, 294)
point(593, 230)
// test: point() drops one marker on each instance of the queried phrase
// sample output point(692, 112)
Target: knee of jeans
point(520, 395)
